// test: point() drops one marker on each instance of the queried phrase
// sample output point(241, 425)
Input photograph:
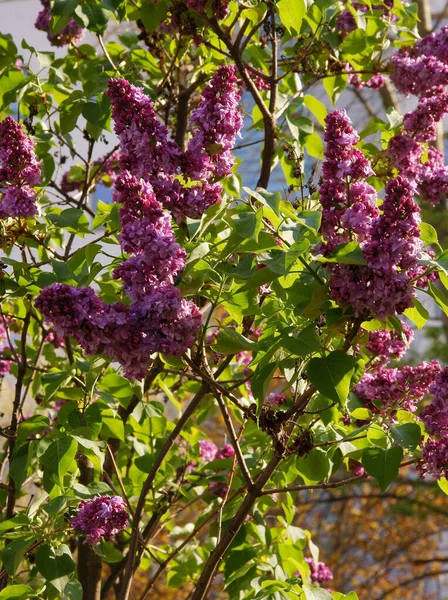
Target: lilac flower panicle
point(389, 242)
point(145, 148)
point(432, 178)
point(104, 516)
point(207, 450)
point(396, 389)
point(435, 414)
point(435, 457)
point(422, 121)
point(386, 344)
point(219, 7)
point(226, 451)
point(345, 22)
point(77, 313)
point(70, 34)
point(320, 573)
point(20, 171)
point(217, 122)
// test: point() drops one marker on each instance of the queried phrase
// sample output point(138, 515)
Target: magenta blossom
point(104, 516)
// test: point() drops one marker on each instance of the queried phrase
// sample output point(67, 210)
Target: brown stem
point(182, 110)
point(217, 554)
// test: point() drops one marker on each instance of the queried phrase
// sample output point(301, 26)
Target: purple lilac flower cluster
point(105, 171)
point(422, 70)
point(375, 82)
point(104, 516)
point(70, 34)
point(209, 451)
point(386, 345)
point(147, 152)
point(19, 171)
point(320, 573)
point(260, 83)
point(435, 417)
point(389, 241)
point(388, 390)
point(345, 22)
point(219, 7)
point(158, 319)
point(5, 364)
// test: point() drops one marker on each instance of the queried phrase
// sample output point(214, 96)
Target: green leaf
point(73, 590)
point(17, 592)
point(313, 467)
point(407, 435)
point(382, 464)
point(13, 554)
point(394, 117)
point(443, 485)
point(440, 298)
point(355, 42)
point(349, 253)
point(281, 261)
point(316, 594)
point(230, 341)
point(302, 345)
point(19, 464)
point(96, 17)
point(248, 225)
point(428, 234)
point(64, 8)
point(32, 425)
point(417, 314)
point(97, 112)
point(152, 14)
point(58, 457)
point(291, 13)
point(72, 219)
point(316, 107)
point(260, 382)
point(55, 564)
point(332, 375)
point(112, 426)
point(314, 146)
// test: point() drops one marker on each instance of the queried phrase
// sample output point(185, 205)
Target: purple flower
point(386, 345)
point(19, 171)
point(396, 389)
point(219, 7)
point(70, 34)
point(207, 450)
point(418, 74)
point(345, 22)
point(217, 122)
point(349, 204)
point(422, 121)
point(435, 415)
point(435, 457)
point(145, 148)
point(104, 516)
point(432, 180)
point(226, 451)
point(320, 573)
